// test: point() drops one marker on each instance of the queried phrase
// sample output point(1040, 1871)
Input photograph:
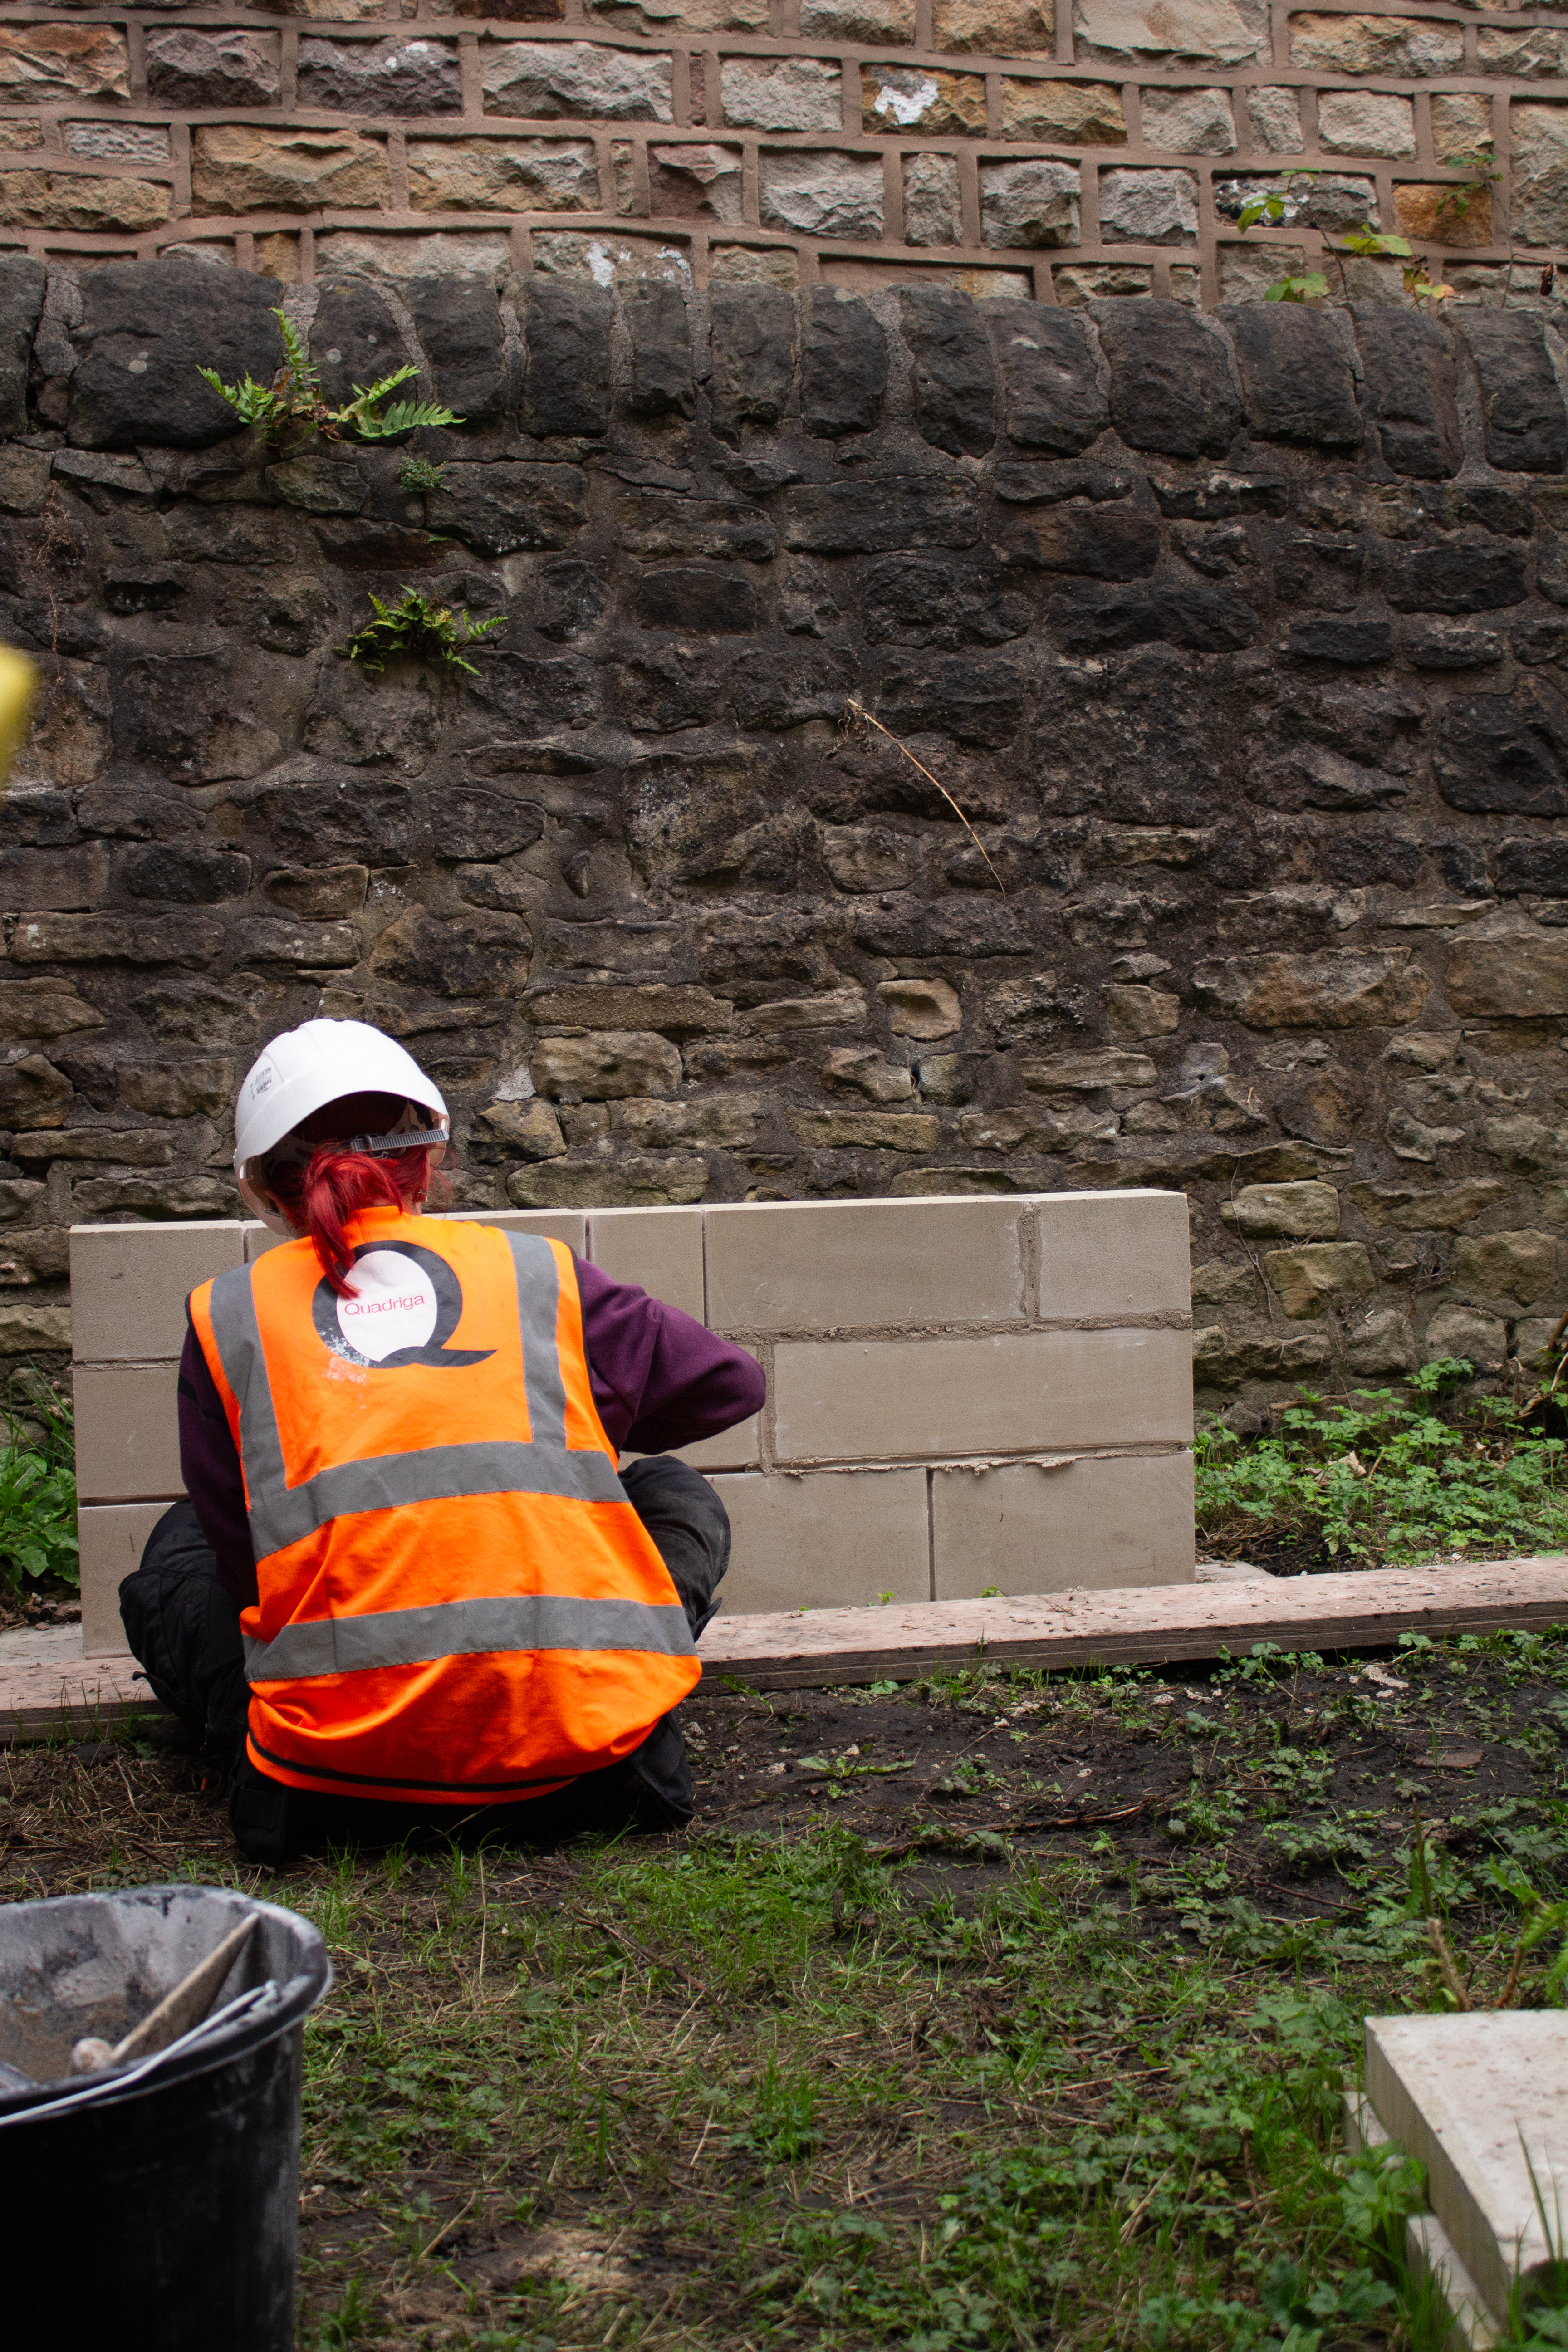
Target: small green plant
point(1364, 241)
point(413, 625)
point(294, 398)
point(37, 1490)
point(417, 476)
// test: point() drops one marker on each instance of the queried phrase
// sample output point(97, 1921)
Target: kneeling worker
point(406, 1529)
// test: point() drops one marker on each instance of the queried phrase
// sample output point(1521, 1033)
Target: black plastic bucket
point(161, 2216)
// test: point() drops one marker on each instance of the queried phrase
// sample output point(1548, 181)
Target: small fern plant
point(434, 633)
point(294, 398)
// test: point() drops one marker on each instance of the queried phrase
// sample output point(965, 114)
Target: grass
point(1384, 1476)
point(1045, 2053)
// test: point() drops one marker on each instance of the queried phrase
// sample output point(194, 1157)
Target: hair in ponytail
point(319, 1195)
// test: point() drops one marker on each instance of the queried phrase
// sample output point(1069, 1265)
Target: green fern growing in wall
point(434, 633)
point(293, 398)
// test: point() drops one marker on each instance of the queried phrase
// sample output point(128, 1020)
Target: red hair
point(319, 1195)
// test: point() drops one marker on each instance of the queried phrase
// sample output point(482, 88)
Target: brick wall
point(1001, 146)
point(1241, 642)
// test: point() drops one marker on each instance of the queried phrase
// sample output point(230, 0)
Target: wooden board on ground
point(1358, 1610)
point(47, 1686)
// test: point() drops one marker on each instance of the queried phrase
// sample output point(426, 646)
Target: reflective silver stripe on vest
point(282, 1515)
point(412, 1637)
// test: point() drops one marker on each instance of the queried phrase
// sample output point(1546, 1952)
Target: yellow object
point(19, 680)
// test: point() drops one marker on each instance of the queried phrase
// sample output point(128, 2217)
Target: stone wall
point(1013, 147)
point(1239, 643)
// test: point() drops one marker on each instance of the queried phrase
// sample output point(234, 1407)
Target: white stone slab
point(1468, 2095)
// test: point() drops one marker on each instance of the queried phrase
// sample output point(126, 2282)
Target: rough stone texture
point(41, 62)
point(71, 200)
point(1003, 28)
point(1155, 207)
point(934, 200)
point(782, 94)
point(1143, 32)
point(903, 97)
point(823, 192)
point(1366, 122)
point(189, 67)
point(1539, 147)
point(1274, 118)
point(1228, 637)
point(1029, 203)
point(1084, 113)
point(398, 75)
point(1403, 47)
point(241, 167)
point(1189, 122)
point(543, 79)
point(514, 176)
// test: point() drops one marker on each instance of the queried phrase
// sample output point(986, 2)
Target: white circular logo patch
point(394, 1305)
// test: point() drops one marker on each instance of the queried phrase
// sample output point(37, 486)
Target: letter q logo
point(405, 1304)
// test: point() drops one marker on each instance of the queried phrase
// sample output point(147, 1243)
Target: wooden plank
point(799, 1649)
point(47, 1686)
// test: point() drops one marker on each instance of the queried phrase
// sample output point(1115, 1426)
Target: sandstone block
point(844, 1009)
point(1091, 1524)
point(921, 1008)
point(821, 192)
point(1219, 1282)
point(657, 16)
point(1461, 122)
point(676, 1011)
point(905, 98)
point(1306, 1211)
point(719, 1123)
point(953, 378)
point(1341, 989)
point(1478, 1340)
point(1189, 122)
point(1029, 203)
point(1002, 28)
point(184, 938)
point(605, 1064)
point(33, 1093)
point(1404, 47)
point(1274, 118)
point(862, 1068)
point(696, 182)
point(1139, 32)
point(112, 1538)
point(116, 142)
point(1136, 1012)
point(129, 1285)
point(189, 67)
point(1527, 52)
point(631, 1184)
point(48, 62)
point(1539, 141)
point(32, 1331)
point(242, 167)
point(838, 1540)
point(128, 1439)
point(894, 1400)
point(866, 1130)
point(1510, 979)
point(1079, 113)
point(512, 175)
point(861, 1265)
point(580, 79)
point(658, 1249)
point(198, 1089)
point(476, 953)
point(782, 93)
point(858, 20)
point(529, 1127)
point(1054, 1074)
point(392, 77)
point(75, 201)
point(1155, 207)
point(1107, 1254)
point(1381, 1341)
point(1439, 1207)
point(1519, 1266)
point(1305, 1280)
point(1436, 215)
point(1365, 123)
point(934, 200)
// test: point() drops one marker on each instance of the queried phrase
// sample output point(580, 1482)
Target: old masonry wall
point(1240, 642)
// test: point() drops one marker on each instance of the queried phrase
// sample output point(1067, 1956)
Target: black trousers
point(183, 1628)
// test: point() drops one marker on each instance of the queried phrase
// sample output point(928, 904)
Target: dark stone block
point(187, 714)
point(1171, 386)
point(141, 588)
point(457, 320)
point(1310, 775)
point(510, 505)
point(1541, 641)
point(1112, 543)
point(538, 694)
point(695, 596)
point(566, 332)
point(1328, 574)
point(482, 821)
point(1218, 497)
point(662, 522)
point(1295, 374)
point(662, 692)
point(660, 334)
point(371, 819)
point(1410, 382)
point(1463, 867)
point(1023, 484)
point(879, 513)
point(479, 954)
point(194, 69)
point(1358, 859)
point(1052, 397)
point(843, 364)
point(1352, 641)
point(982, 703)
point(21, 299)
point(185, 876)
point(1462, 576)
point(568, 597)
point(406, 74)
point(784, 691)
point(1446, 644)
point(288, 617)
point(1505, 752)
point(1536, 866)
point(953, 377)
point(146, 328)
point(354, 339)
point(1102, 620)
point(925, 600)
point(1526, 422)
point(753, 358)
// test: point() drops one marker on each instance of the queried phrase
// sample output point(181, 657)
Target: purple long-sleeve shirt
point(660, 1381)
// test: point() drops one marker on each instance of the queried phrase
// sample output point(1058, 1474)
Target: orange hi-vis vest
point(457, 1604)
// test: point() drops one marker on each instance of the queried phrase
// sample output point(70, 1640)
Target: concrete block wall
point(963, 1394)
point(1002, 146)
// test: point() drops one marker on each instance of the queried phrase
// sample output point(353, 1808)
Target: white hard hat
point(317, 1064)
